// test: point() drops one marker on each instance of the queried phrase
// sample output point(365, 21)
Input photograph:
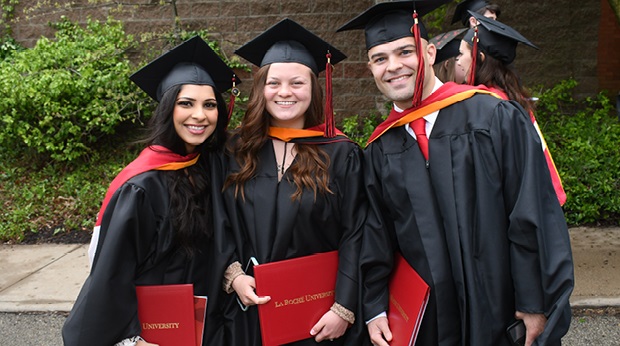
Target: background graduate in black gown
point(447, 43)
point(495, 51)
point(462, 11)
point(295, 185)
point(473, 211)
point(157, 220)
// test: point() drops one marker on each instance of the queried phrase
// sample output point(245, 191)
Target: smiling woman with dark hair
point(156, 224)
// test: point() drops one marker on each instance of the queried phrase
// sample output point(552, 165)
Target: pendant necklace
point(281, 167)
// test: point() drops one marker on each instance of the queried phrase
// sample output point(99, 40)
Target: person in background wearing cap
point(495, 44)
point(462, 13)
point(457, 184)
point(295, 186)
point(447, 46)
point(482, 7)
point(156, 224)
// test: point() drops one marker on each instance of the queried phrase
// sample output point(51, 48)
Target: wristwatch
point(129, 341)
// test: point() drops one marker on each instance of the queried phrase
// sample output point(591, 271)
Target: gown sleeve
point(105, 311)
point(352, 207)
point(376, 257)
point(219, 325)
point(540, 252)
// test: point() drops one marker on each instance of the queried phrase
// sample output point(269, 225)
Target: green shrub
point(8, 46)
point(68, 92)
point(58, 196)
point(583, 137)
point(359, 130)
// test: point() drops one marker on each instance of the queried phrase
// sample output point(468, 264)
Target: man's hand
point(244, 286)
point(329, 327)
point(144, 343)
point(379, 331)
point(534, 325)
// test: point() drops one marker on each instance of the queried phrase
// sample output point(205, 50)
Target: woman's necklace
point(288, 156)
point(282, 165)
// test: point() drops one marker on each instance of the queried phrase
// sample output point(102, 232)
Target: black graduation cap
point(191, 62)
point(389, 21)
point(447, 44)
point(287, 41)
point(461, 14)
point(497, 39)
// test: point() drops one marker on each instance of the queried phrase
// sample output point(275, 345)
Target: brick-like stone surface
point(234, 9)
point(608, 67)
point(578, 42)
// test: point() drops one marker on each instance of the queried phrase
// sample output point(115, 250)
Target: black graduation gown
point(270, 226)
point(137, 247)
point(481, 225)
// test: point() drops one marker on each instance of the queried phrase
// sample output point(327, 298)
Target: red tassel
point(419, 78)
point(330, 126)
point(471, 79)
point(234, 93)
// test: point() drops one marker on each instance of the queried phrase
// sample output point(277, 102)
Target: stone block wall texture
point(568, 36)
point(609, 50)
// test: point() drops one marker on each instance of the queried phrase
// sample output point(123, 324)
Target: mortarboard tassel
point(471, 79)
point(419, 78)
point(234, 93)
point(330, 126)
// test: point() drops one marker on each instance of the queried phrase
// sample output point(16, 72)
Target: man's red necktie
point(419, 128)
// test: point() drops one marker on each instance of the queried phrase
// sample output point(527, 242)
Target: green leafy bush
point(68, 92)
point(56, 196)
point(359, 130)
point(583, 137)
point(8, 46)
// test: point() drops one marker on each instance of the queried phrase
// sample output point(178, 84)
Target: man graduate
point(458, 185)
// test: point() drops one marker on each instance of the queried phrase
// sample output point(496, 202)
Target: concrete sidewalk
point(48, 277)
point(45, 277)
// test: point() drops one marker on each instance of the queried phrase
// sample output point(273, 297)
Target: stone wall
point(567, 36)
point(566, 33)
point(609, 50)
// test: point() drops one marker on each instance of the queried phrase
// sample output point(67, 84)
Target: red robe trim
point(448, 94)
point(154, 157)
point(553, 171)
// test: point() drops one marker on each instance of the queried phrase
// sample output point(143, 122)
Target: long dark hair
point(493, 7)
point(311, 162)
point(190, 196)
point(494, 73)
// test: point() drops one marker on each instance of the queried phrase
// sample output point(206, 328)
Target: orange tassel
point(330, 126)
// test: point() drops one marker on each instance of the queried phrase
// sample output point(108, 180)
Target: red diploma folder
point(408, 299)
point(200, 316)
point(302, 290)
point(170, 315)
